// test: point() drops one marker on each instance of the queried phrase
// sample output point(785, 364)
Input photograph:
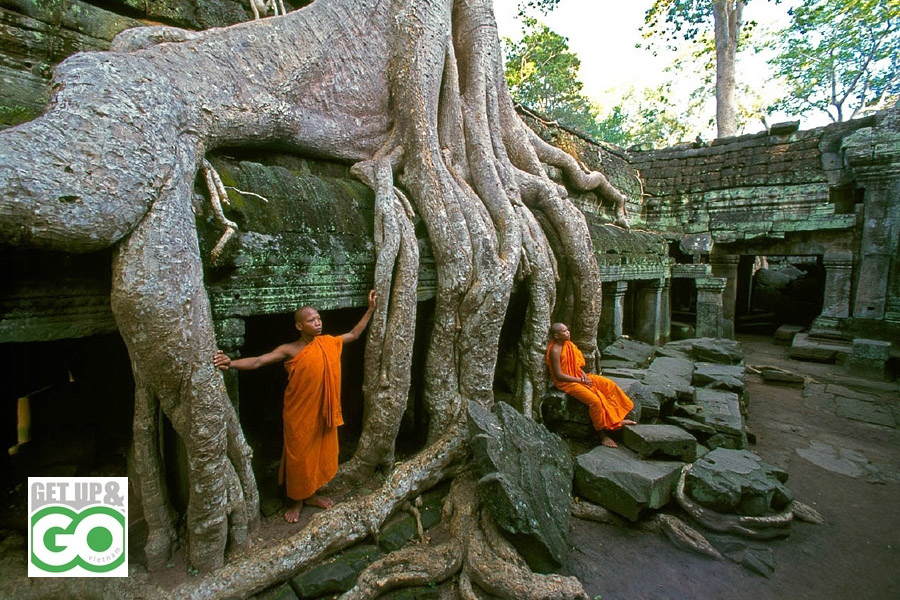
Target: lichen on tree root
point(411, 92)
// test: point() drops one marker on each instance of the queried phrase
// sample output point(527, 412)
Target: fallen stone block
point(868, 358)
point(628, 351)
point(624, 373)
point(699, 430)
point(818, 350)
point(671, 366)
point(282, 592)
point(526, 482)
point(645, 400)
point(722, 410)
point(672, 373)
point(566, 416)
point(738, 482)
point(784, 335)
point(719, 377)
point(661, 441)
point(614, 364)
point(337, 575)
point(667, 390)
point(778, 375)
point(714, 350)
point(616, 479)
point(670, 351)
point(718, 350)
point(722, 440)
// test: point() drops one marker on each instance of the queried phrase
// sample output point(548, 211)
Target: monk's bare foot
point(292, 514)
point(320, 501)
point(629, 422)
point(607, 441)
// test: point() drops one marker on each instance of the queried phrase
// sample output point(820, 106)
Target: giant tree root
point(768, 527)
point(677, 531)
point(681, 534)
point(334, 529)
point(805, 512)
point(477, 555)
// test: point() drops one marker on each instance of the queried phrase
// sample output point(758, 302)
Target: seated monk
point(607, 403)
point(312, 405)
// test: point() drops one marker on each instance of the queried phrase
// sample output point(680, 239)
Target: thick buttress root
point(413, 93)
point(477, 182)
point(476, 555)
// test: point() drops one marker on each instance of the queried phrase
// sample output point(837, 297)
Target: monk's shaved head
point(557, 327)
point(301, 311)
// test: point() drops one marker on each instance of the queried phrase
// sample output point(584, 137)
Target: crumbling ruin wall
point(751, 186)
point(832, 193)
point(787, 192)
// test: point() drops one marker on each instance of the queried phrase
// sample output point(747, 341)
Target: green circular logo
point(99, 539)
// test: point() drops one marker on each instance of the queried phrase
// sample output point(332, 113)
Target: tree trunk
point(727, 21)
point(412, 92)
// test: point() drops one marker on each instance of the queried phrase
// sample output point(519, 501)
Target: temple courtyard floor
point(838, 438)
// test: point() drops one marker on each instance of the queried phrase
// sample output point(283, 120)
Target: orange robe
point(312, 414)
point(607, 403)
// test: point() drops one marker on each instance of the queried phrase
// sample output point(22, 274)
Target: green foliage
point(615, 127)
point(840, 57)
point(675, 20)
point(542, 74)
point(543, 6)
point(672, 21)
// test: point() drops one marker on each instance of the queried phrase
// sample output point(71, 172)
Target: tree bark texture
point(410, 91)
point(727, 18)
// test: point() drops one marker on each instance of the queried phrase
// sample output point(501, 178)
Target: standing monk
point(312, 405)
point(607, 403)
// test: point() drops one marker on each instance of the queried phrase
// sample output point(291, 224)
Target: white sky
point(603, 34)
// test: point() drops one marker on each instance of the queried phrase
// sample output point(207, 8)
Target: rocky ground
point(835, 435)
point(848, 469)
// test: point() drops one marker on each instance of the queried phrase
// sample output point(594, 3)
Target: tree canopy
point(840, 57)
point(687, 19)
point(542, 74)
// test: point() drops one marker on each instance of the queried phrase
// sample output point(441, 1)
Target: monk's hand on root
point(221, 361)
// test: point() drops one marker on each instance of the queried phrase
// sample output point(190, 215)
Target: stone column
point(838, 272)
point(230, 339)
point(877, 246)
point(726, 265)
point(612, 316)
point(836, 297)
point(709, 306)
point(665, 312)
point(873, 153)
point(649, 310)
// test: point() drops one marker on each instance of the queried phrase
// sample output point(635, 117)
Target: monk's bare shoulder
point(290, 350)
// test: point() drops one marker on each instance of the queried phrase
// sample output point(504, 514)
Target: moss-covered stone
point(400, 530)
point(336, 575)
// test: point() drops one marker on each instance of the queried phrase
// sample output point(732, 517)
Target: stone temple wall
point(751, 186)
point(830, 193)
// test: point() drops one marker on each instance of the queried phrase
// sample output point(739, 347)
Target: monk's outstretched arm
point(353, 334)
point(221, 360)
